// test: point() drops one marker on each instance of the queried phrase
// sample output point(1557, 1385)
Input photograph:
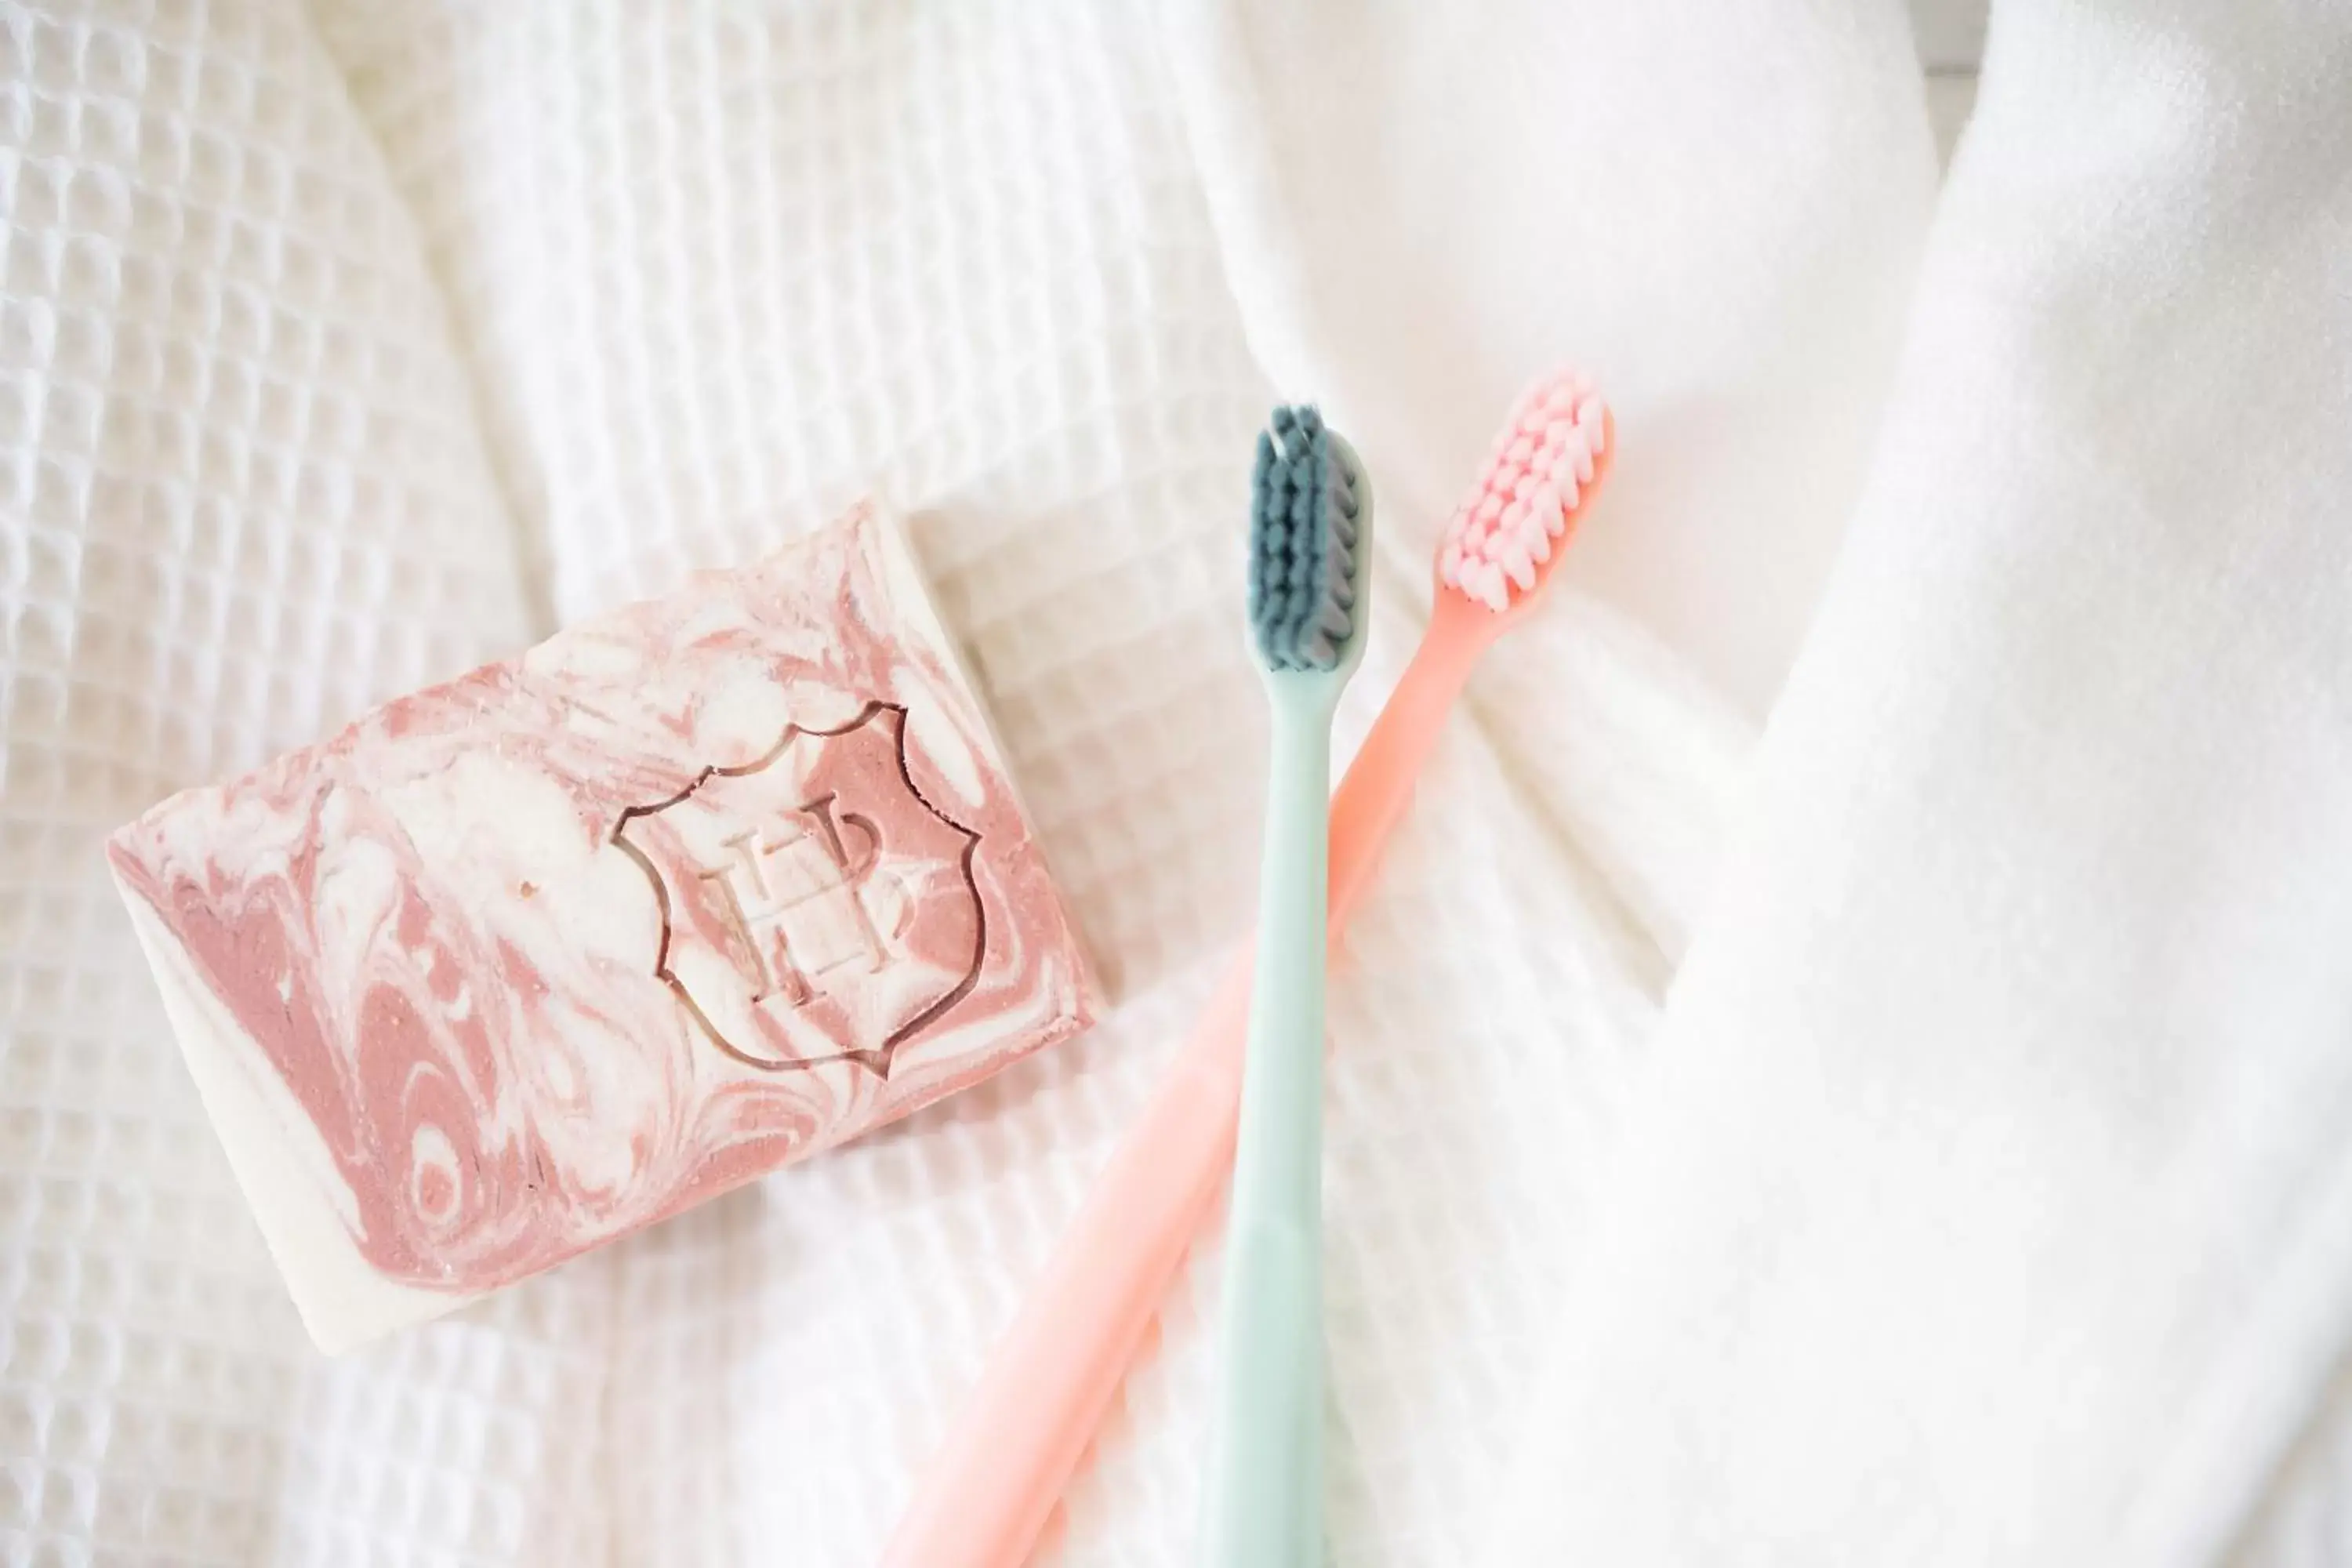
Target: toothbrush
point(1029, 1421)
point(1310, 553)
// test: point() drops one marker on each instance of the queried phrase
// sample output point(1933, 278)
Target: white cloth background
point(341, 347)
point(1990, 1203)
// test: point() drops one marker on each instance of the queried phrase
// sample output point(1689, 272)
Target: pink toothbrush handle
point(1372, 796)
point(1027, 1424)
point(1043, 1394)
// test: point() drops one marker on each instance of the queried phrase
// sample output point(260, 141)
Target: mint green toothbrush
point(1310, 550)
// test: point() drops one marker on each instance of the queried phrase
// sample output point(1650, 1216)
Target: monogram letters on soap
point(814, 907)
point(793, 893)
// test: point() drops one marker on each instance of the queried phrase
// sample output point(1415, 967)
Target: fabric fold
point(1987, 1201)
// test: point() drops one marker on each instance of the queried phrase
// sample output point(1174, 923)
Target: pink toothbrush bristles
point(1498, 540)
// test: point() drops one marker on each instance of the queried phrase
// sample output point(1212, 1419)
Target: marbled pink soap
point(520, 962)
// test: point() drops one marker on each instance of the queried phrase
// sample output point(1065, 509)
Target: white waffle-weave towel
point(342, 347)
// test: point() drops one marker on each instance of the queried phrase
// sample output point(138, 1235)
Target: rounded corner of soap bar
point(516, 964)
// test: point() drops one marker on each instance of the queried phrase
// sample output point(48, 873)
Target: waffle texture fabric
point(343, 347)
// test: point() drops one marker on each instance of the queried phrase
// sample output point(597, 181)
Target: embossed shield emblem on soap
point(814, 906)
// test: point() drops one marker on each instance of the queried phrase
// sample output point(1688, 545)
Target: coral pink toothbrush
point(1039, 1401)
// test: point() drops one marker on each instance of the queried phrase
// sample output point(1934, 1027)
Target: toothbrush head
point(1500, 546)
point(1310, 547)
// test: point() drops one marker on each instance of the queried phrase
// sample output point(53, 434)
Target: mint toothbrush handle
point(1267, 1508)
point(1265, 1497)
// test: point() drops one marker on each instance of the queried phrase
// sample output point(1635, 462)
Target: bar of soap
point(520, 962)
